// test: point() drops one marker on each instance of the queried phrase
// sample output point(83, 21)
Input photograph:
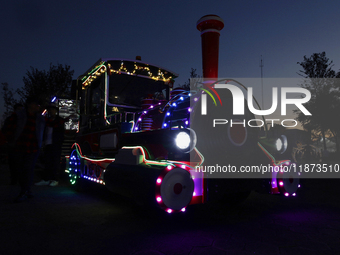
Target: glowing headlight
point(278, 144)
point(182, 140)
point(281, 144)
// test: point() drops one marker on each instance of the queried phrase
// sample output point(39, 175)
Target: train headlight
point(281, 144)
point(183, 140)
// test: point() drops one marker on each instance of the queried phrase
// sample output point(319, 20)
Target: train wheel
point(174, 190)
point(74, 168)
point(288, 183)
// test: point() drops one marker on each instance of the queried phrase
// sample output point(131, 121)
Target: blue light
point(174, 104)
point(182, 98)
point(164, 125)
point(53, 99)
point(168, 114)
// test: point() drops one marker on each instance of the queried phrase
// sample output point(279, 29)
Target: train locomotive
point(137, 136)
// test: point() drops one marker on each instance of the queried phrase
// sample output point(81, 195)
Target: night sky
point(78, 33)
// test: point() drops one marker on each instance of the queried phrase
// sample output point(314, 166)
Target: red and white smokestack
point(210, 26)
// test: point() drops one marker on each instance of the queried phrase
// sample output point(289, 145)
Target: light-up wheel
point(74, 167)
point(174, 190)
point(288, 183)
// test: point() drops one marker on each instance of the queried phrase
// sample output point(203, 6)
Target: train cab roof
point(126, 67)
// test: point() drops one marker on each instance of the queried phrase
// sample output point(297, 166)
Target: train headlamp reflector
point(281, 144)
point(182, 140)
point(278, 144)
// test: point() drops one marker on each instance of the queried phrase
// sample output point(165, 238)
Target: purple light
point(159, 180)
point(169, 211)
point(140, 119)
point(286, 194)
point(151, 106)
point(299, 186)
point(189, 109)
point(145, 112)
point(294, 194)
point(159, 199)
point(186, 122)
point(281, 183)
point(195, 99)
point(136, 128)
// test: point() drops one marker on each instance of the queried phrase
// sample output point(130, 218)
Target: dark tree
point(193, 75)
point(324, 104)
point(47, 84)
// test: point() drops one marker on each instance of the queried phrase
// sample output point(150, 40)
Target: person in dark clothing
point(25, 135)
point(54, 137)
point(12, 158)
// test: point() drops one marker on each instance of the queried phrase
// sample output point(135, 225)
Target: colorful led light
point(159, 199)
point(169, 210)
point(286, 194)
point(183, 209)
point(159, 180)
point(281, 183)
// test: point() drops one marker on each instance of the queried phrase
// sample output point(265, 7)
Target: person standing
point(10, 146)
point(26, 128)
point(54, 137)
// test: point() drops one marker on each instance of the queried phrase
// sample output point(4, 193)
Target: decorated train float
point(137, 135)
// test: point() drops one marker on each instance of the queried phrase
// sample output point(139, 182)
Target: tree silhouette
point(47, 84)
point(195, 77)
point(324, 105)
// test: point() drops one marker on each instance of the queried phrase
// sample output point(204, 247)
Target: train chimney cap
point(210, 22)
